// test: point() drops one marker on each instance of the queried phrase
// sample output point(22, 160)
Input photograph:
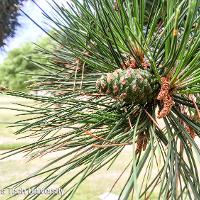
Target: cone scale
point(129, 85)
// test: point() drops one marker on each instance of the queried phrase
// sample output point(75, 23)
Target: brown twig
point(82, 76)
point(195, 105)
point(111, 145)
point(153, 120)
point(95, 136)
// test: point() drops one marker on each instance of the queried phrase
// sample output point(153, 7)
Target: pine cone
point(129, 85)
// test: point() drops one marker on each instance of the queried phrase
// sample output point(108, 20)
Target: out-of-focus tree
point(9, 11)
point(19, 66)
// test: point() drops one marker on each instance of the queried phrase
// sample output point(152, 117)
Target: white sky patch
point(28, 31)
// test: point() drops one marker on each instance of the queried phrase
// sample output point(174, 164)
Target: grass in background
point(8, 139)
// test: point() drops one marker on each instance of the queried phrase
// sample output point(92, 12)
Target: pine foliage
point(104, 47)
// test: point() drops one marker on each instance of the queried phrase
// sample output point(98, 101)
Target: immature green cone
point(129, 85)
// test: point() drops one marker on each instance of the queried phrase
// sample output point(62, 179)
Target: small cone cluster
point(191, 131)
point(128, 85)
point(188, 128)
point(131, 63)
point(142, 142)
point(165, 97)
